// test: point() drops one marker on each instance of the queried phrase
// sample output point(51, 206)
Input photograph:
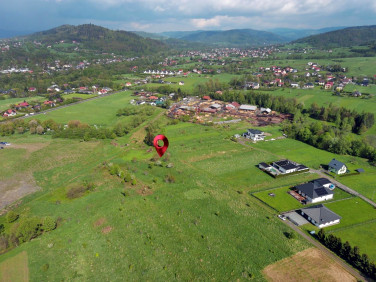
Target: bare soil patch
point(144, 191)
point(30, 147)
point(15, 268)
point(308, 265)
point(15, 188)
point(106, 229)
point(100, 222)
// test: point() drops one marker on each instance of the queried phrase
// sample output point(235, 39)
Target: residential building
point(320, 216)
point(316, 190)
point(337, 167)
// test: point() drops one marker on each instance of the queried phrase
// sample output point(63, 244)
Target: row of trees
point(329, 138)
point(347, 252)
point(343, 118)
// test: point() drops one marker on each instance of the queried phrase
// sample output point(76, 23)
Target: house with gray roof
point(316, 190)
point(254, 134)
point(337, 167)
point(320, 216)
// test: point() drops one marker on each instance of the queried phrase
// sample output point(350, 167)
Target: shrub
point(45, 267)
point(289, 235)
point(12, 216)
point(170, 178)
point(49, 224)
point(28, 229)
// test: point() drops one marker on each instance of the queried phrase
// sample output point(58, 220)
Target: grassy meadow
point(193, 221)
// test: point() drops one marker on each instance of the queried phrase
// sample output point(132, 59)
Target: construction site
point(206, 110)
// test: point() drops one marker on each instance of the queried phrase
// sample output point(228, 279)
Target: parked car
point(281, 216)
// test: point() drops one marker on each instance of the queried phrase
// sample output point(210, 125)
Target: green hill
point(351, 36)
point(100, 39)
point(236, 37)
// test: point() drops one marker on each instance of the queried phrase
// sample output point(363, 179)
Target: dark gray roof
point(264, 164)
point(322, 181)
point(337, 165)
point(313, 189)
point(286, 164)
point(255, 131)
point(360, 170)
point(321, 214)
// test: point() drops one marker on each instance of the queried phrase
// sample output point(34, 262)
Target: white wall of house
point(328, 224)
point(323, 198)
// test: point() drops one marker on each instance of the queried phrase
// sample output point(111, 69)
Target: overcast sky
point(171, 15)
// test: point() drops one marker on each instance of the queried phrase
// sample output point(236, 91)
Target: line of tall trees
point(329, 138)
point(348, 253)
point(343, 118)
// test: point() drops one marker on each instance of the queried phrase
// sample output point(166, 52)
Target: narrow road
point(318, 245)
point(64, 106)
point(344, 187)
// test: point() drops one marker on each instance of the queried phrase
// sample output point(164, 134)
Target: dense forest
point(351, 36)
point(100, 39)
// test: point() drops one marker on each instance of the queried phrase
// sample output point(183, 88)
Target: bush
point(45, 267)
point(12, 216)
point(289, 235)
point(170, 178)
point(49, 224)
point(28, 229)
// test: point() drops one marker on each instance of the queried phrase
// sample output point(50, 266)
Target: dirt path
point(138, 136)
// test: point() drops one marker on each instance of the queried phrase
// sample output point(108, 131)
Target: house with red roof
point(32, 89)
point(206, 98)
point(9, 113)
point(49, 103)
point(22, 105)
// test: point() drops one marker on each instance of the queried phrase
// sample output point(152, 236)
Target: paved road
point(64, 106)
point(351, 270)
point(344, 187)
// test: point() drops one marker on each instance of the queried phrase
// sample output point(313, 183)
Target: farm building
point(248, 108)
point(337, 167)
point(320, 216)
point(316, 190)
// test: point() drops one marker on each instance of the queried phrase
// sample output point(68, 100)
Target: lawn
point(360, 236)
point(353, 211)
point(282, 201)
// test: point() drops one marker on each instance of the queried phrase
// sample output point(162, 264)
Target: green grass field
point(101, 111)
point(204, 225)
point(360, 236)
point(282, 201)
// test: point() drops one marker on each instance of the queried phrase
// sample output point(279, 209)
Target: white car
point(281, 216)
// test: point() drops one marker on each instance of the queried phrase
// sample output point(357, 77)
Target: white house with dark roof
point(285, 166)
point(320, 216)
point(337, 167)
point(254, 134)
point(316, 190)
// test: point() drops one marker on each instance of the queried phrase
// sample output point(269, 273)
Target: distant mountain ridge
point(99, 38)
point(294, 34)
point(350, 36)
point(236, 38)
